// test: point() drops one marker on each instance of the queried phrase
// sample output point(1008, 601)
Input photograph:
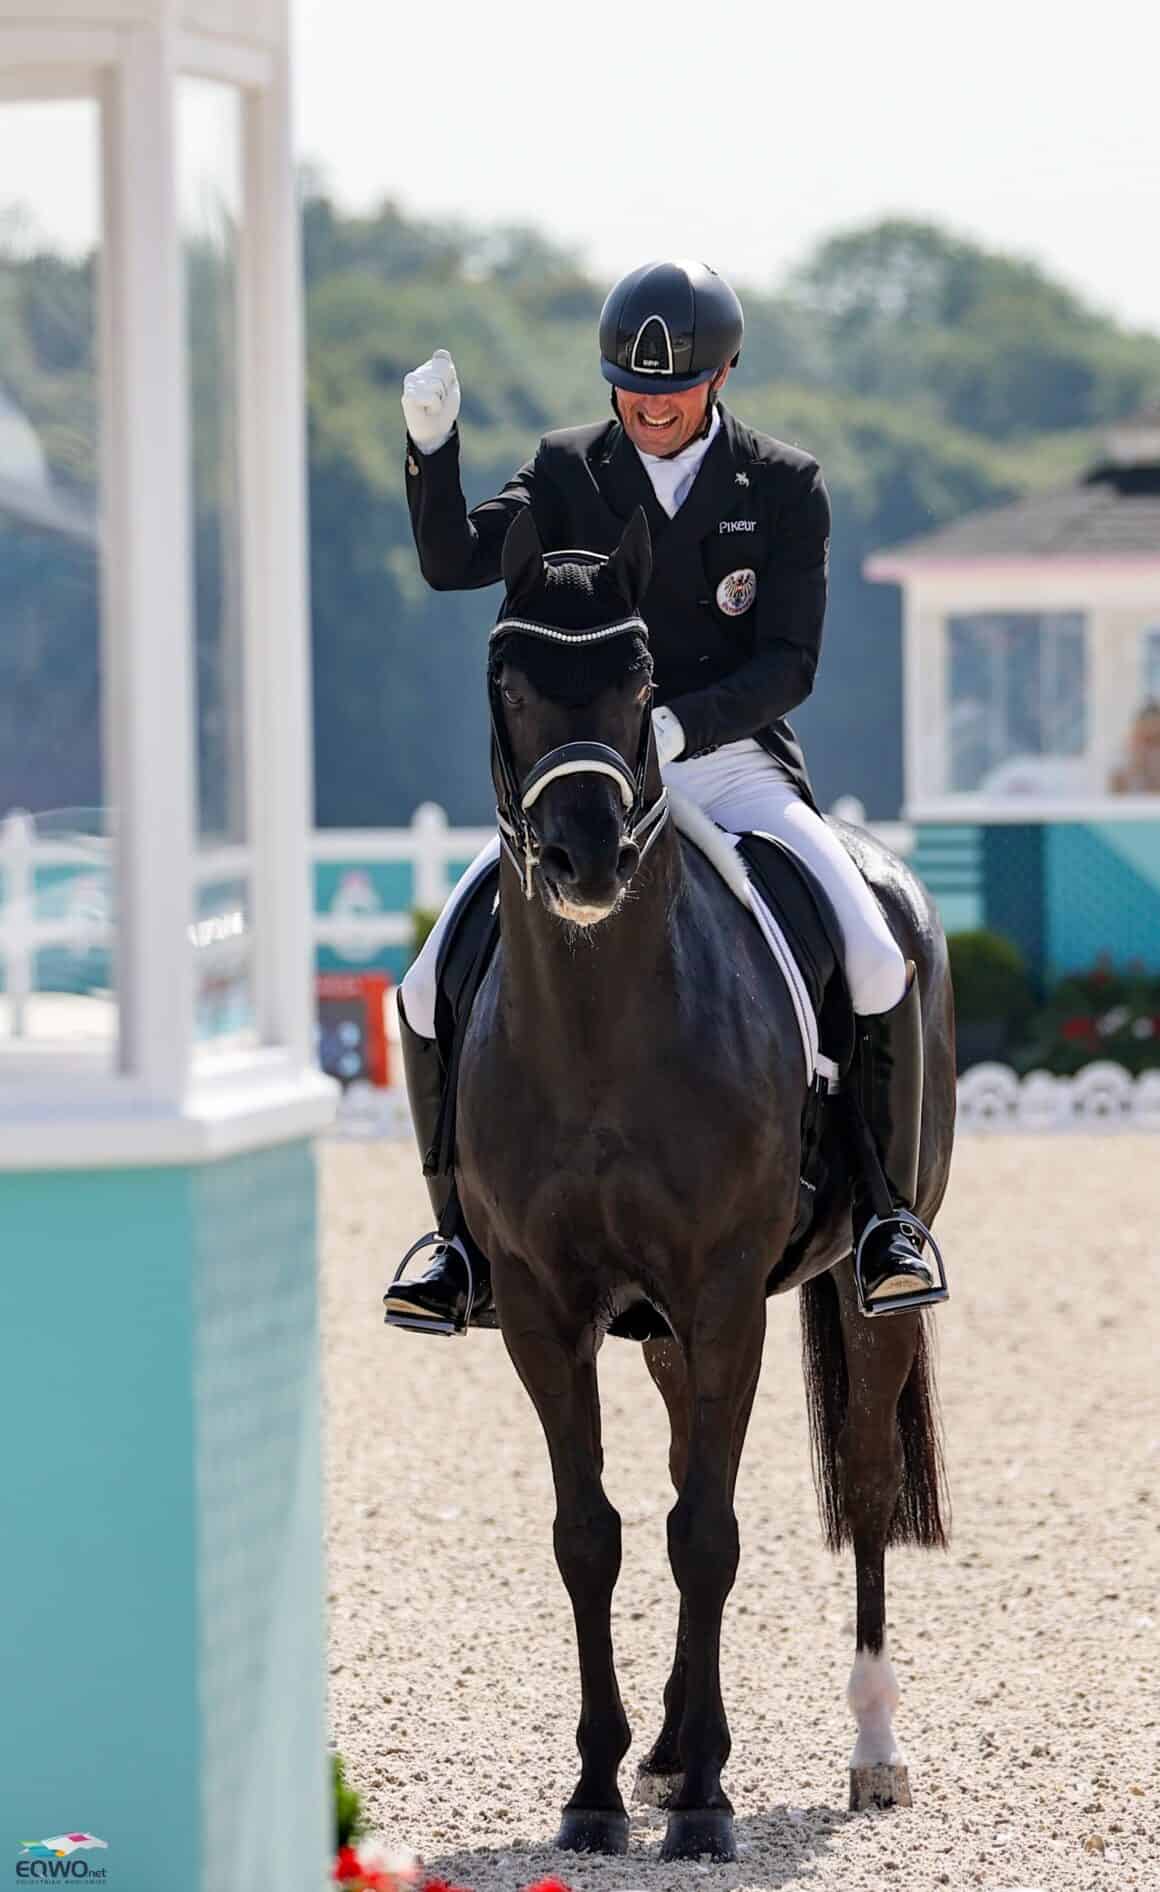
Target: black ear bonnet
point(570, 620)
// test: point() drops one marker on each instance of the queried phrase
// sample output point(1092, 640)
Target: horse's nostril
point(628, 860)
point(558, 863)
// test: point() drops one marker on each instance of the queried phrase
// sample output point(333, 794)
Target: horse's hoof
point(584, 1830)
point(699, 1833)
point(885, 1786)
point(654, 1789)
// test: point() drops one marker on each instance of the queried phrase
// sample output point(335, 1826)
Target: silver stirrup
point(415, 1323)
point(908, 1225)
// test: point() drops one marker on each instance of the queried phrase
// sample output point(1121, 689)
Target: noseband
point(521, 843)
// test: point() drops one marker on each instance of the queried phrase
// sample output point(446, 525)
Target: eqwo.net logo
point(45, 1860)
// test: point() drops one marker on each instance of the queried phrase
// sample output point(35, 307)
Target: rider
point(740, 526)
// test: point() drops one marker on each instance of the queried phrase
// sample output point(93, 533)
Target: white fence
point(77, 915)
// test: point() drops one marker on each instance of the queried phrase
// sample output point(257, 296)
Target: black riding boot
point(891, 1272)
point(456, 1286)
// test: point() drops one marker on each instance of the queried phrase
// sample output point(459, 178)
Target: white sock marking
point(872, 1693)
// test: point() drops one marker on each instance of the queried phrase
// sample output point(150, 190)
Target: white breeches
point(742, 789)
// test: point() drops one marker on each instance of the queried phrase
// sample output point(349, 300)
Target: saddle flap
point(805, 913)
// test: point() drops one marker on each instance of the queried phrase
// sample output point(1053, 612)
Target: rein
point(518, 837)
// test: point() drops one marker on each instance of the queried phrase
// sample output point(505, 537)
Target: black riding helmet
point(669, 325)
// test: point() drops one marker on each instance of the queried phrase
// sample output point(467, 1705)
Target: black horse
point(630, 1103)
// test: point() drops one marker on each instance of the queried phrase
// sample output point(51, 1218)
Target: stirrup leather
point(419, 1324)
point(903, 1222)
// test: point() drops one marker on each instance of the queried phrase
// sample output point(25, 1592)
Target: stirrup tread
point(421, 1324)
point(871, 1303)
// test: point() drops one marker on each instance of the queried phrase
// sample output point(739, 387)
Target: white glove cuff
point(668, 735)
point(430, 444)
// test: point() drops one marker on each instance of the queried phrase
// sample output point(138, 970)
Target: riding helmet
point(668, 325)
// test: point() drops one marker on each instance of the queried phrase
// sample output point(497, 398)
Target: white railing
point(430, 847)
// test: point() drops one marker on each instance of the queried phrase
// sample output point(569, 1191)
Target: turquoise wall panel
point(1102, 895)
point(947, 859)
point(1014, 897)
point(257, 1401)
point(391, 959)
point(387, 884)
point(162, 1600)
point(99, 1729)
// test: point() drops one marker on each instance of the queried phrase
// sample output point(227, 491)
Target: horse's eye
point(512, 698)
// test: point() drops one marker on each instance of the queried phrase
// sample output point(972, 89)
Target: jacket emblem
point(737, 525)
point(737, 591)
point(742, 479)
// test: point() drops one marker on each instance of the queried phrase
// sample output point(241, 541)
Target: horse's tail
point(918, 1513)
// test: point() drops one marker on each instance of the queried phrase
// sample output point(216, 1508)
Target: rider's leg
point(437, 1300)
point(743, 789)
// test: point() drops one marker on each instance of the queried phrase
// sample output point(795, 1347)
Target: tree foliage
point(929, 375)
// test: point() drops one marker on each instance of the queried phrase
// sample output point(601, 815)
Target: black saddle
point(804, 911)
point(798, 903)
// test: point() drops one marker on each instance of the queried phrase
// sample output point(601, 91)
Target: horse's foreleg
point(724, 1356)
point(879, 1356)
point(586, 1534)
point(659, 1774)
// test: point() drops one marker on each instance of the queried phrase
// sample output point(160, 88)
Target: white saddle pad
point(720, 849)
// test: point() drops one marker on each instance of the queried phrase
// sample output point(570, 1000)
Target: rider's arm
point(789, 611)
point(459, 550)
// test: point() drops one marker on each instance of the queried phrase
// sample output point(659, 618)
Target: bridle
point(641, 823)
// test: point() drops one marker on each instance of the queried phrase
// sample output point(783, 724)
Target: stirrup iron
point(415, 1323)
point(904, 1222)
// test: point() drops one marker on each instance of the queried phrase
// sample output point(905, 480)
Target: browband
point(531, 629)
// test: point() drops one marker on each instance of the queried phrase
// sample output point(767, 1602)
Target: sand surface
point(1027, 1656)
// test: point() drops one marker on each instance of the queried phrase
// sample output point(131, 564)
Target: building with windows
point(1031, 711)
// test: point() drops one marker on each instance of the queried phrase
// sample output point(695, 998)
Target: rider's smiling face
point(663, 423)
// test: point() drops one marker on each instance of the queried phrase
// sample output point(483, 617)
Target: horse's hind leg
point(879, 1457)
point(586, 1535)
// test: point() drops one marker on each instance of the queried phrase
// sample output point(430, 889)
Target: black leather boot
point(455, 1289)
point(890, 1268)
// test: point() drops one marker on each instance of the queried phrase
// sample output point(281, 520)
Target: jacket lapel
point(624, 484)
point(712, 497)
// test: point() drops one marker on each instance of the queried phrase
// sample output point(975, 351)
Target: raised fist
point(431, 401)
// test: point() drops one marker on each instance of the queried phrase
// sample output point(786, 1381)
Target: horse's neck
point(560, 990)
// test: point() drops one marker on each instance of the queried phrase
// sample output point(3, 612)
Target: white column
point(277, 631)
point(146, 565)
point(429, 827)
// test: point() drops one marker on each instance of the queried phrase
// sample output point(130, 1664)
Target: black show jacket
point(757, 508)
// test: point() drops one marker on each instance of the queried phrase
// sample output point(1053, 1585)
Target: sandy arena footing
point(1027, 1657)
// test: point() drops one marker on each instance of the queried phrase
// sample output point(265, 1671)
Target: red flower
point(1078, 1028)
point(548, 1885)
point(350, 1871)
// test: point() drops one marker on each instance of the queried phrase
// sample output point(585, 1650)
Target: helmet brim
point(653, 383)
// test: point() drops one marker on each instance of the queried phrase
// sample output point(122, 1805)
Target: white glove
point(431, 401)
point(668, 735)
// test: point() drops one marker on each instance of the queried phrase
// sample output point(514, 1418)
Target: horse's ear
point(522, 561)
point(630, 566)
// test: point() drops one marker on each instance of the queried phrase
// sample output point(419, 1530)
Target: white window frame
point(172, 1103)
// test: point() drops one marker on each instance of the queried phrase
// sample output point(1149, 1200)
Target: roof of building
point(1114, 512)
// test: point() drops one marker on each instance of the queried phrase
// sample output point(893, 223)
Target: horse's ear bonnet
point(573, 595)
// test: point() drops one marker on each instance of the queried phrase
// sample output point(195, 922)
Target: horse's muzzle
point(584, 892)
